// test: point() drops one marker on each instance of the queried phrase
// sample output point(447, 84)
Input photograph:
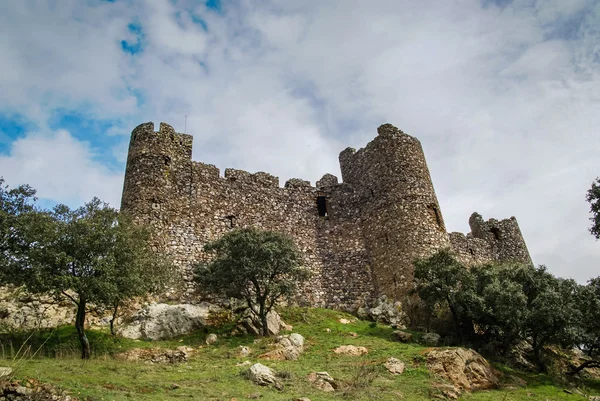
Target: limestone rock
point(394, 366)
point(261, 375)
point(402, 336)
point(322, 381)
point(163, 321)
point(244, 351)
point(351, 350)
point(464, 368)
point(250, 324)
point(5, 372)
point(288, 348)
point(296, 339)
point(445, 391)
point(384, 311)
point(290, 353)
point(431, 339)
point(211, 339)
point(156, 355)
point(345, 321)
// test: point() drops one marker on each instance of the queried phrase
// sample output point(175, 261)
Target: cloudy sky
point(504, 96)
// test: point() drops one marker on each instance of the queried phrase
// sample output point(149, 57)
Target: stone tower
point(401, 218)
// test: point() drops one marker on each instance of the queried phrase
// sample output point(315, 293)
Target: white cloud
point(504, 99)
point(61, 168)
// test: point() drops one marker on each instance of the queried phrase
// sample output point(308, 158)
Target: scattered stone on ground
point(394, 366)
point(163, 321)
point(244, 351)
point(346, 321)
point(384, 311)
point(353, 334)
point(328, 330)
point(250, 324)
point(322, 381)
point(157, 355)
point(431, 339)
point(402, 336)
point(350, 350)
point(444, 391)
point(5, 372)
point(464, 368)
point(302, 399)
point(262, 375)
point(211, 339)
point(245, 363)
point(289, 348)
point(31, 390)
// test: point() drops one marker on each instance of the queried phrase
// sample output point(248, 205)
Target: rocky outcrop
point(262, 375)
point(402, 336)
point(350, 350)
point(157, 355)
point(323, 381)
point(287, 348)
point(464, 368)
point(31, 390)
point(163, 321)
point(394, 366)
point(384, 311)
point(250, 324)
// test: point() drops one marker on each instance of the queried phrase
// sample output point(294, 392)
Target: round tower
point(400, 215)
point(157, 172)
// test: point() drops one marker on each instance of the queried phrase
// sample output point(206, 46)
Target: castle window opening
point(496, 232)
point(471, 251)
point(167, 160)
point(231, 220)
point(436, 215)
point(322, 206)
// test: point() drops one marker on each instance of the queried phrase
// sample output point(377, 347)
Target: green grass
point(211, 373)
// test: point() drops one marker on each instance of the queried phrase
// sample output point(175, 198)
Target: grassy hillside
point(212, 374)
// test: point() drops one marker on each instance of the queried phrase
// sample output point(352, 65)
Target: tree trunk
point(112, 320)
point(263, 319)
point(79, 325)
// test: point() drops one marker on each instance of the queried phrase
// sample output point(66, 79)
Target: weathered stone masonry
point(358, 237)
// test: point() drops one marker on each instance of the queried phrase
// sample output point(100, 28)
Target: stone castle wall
point(358, 237)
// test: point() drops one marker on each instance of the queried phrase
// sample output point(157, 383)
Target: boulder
point(384, 311)
point(322, 381)
point(288, 348)
point(464, 368)
point(211, 339)
point(394, 366)
point(261, 375)
point(351, 350)
point(431, 339)
point(402, 336)
point(250, 324)
point(244, 351)
point(163, 321)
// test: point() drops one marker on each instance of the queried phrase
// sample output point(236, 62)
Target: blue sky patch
point(214, 5)
point(94, 131)
point(13, 126)
point(134, 46)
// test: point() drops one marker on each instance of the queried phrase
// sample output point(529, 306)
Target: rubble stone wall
point(359, 237)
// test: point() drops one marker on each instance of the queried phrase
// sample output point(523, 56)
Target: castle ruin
point(358, 237)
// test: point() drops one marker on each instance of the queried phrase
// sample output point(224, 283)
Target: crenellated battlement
point(359, 237)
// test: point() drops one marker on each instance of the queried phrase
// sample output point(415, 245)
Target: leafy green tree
point(443, 282)
point(495, 306)
point(90, 255)
point(593, 197)
point(588, 334)
point(256, 266)
point(15, 203)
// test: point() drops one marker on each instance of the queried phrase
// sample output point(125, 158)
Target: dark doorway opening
point(322, 205)
point(496, 232)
